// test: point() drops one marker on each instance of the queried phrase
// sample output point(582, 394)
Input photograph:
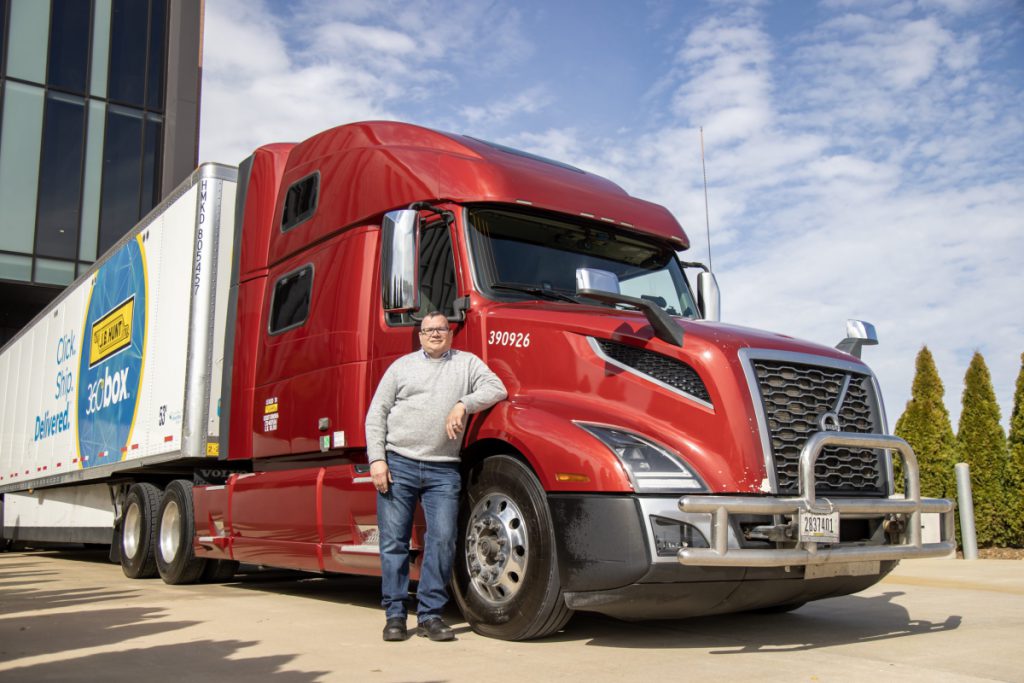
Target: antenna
point(707, 219)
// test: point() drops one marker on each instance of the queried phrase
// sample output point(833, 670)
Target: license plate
point(827, 571)
point(819, 527)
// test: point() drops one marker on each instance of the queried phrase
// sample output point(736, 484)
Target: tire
point(175, 557)
point(506, 578)
point(138, 531)
point(219, 571)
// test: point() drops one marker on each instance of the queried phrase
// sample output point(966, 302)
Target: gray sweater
point(407, 414)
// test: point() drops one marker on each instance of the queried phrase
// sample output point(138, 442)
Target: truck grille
point(795, 396)
point(674, 373)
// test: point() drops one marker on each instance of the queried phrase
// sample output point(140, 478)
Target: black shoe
point(435, 629)
point(395, 629)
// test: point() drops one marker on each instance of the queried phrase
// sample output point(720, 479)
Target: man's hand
point(455, 423)
point(381, 475)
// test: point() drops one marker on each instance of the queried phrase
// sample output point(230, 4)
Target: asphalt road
point(70, 616)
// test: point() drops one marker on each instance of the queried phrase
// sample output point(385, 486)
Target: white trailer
point(119, 378)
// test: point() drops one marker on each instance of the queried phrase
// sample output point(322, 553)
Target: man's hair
point(433, 314)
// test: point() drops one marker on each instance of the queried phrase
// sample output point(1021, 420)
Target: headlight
point(649, 466)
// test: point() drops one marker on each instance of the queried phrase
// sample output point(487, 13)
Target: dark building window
point(122, 152)
point(129, 21)
point(290, 306)
point(150, 191)
point(300, 202)
point(155, 67)
point(60, 177)
point(3, 34)
point(69, 45)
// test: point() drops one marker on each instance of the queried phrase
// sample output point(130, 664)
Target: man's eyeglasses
point(430, 331)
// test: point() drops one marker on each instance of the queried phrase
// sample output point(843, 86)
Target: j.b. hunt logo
point(110, 367)
point(112, 332)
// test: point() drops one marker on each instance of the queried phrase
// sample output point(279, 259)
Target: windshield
point(520, 256)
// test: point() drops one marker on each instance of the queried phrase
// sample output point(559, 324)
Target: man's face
point(435, 337)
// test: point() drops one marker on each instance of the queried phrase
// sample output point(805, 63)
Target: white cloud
point(866, 188)
point(255, 91)
point(727, 82)
point(529, 101)
point(345, 37)
point(270, 77)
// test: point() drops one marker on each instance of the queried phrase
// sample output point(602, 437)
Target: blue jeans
point(436, 485)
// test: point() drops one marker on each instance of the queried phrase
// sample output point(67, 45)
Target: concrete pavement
point(70, 616)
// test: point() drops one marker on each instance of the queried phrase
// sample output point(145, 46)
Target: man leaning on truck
point(413, 436)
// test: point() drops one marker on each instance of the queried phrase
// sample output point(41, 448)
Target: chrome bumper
point(910, 508)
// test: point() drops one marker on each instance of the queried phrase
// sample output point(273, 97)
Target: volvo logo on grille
point(829, 422)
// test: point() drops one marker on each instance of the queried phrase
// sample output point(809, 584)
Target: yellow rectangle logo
point(212, 448)
point(272, 408)
point(112, 332)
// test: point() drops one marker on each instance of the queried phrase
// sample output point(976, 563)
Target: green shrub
point(925, 425)
point(981, 443)
point(1013, 482)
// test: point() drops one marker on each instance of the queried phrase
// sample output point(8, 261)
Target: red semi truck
point(214, 369)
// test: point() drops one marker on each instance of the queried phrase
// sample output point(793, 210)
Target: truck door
point(396, 334)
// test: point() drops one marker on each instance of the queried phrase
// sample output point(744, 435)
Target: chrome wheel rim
point(497, 548)
point(132, 531)
point(170, 531)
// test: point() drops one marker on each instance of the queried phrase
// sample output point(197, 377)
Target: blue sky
point(865, 158)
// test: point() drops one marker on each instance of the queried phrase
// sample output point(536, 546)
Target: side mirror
point(399, 250)
point(595, 279)
point(858, 335)
point(709, 298)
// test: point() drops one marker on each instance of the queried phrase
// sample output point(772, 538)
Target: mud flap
point(115, 543)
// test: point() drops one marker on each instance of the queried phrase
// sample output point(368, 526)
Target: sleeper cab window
point(300, 202)
point(290, 305)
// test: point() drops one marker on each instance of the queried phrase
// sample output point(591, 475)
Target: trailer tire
point(175, 556)
point(219, 571)
point(506, 579)
point(138, 531)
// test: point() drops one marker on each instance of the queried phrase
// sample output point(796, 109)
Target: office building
point(99, 118)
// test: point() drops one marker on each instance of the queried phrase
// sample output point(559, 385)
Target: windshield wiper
point(536, 291)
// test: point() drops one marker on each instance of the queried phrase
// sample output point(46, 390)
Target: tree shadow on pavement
point(44, 634)
point(67, 643)
point(826, 623)
point(20, 600)
point(217, 660)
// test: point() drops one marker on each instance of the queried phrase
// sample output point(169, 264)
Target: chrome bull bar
point(912, 505)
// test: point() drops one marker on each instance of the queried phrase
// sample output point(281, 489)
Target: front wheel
point(506, 572)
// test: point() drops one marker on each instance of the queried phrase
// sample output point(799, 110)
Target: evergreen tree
point(1014, 481)
point(981, 444)
point(925, 425)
